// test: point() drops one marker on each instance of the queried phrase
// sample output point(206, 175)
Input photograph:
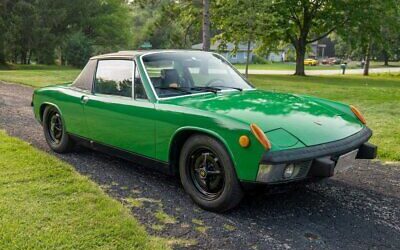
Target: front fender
point(245, 160)
point(204, 131)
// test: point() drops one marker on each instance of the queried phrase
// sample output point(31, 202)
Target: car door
point(117, 116)
point(71, 104)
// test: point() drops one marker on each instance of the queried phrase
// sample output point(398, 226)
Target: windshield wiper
point(229, 87)
point(208, 89)
point(174, 89)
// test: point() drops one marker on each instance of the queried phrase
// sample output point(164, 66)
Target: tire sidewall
point(232, 192)
point(65, 145)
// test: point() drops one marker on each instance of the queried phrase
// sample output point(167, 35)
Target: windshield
point(183, 73)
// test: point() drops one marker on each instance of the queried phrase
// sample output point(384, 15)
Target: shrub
point(78, 50)
point(259, 59)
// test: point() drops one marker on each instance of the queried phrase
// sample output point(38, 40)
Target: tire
point(54, 131)
point(208, 175)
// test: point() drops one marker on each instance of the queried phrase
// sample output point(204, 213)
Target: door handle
point(84, 99)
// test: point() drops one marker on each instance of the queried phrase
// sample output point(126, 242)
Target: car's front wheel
point(208, 175)
point(54, 131)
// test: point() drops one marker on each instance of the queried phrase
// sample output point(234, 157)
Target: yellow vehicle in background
point(310, 62)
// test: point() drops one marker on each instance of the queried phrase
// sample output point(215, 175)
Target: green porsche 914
point(192, 114)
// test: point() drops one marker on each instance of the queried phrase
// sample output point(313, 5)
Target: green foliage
point(78, 50)
point(374, 30)
point(2, 31)
point(304, 22)
point(243, 21)
point(166, 24)
point(259, 60)
point(39, 30)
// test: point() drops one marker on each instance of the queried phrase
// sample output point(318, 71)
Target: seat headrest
point(169, 76)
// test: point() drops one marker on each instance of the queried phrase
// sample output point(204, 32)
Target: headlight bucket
point(268, 173)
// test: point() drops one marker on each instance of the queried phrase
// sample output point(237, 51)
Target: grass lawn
point(45, 204)
point(38, 75)
point(292, 66)
point(378, 97)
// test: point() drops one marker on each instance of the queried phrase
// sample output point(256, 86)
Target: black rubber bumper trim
point(335, 148)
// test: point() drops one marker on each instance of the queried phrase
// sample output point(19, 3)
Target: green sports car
point(192, 114)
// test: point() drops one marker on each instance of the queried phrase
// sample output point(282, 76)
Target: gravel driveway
point(356, 210)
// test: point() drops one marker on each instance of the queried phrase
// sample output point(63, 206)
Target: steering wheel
point(215, 81)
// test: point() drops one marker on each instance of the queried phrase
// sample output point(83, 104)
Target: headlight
point(283, 172)
point(289, 170)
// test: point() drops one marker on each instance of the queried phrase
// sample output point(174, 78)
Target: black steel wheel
point(54, 131)
point(208, 174)
point(55, 127)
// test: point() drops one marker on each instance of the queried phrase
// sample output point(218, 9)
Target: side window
point(85, 79)
point(140, 92)
point(114, 77)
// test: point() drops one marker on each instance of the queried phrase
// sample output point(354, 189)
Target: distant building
point(241, 54)
point(322, 49)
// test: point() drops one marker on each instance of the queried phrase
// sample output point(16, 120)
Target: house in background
point(323, 48)
point(239, 57)
point(241, 54)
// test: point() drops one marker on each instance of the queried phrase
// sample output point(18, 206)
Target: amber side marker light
point(244, 141)
point(358, 114)
point(260, 135)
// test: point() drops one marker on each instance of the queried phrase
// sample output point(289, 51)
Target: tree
point(389, 30)
point(38, 28)
point(20, 26)
point(206, 25)
point(372, 29)
point(306, 21)
point(167, 24)
point(243, 21)
point(78, 50)
point(2, 31)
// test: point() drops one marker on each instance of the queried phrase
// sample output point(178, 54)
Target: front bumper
point(313, 161)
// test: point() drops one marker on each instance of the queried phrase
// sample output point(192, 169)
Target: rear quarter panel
point(67, 101)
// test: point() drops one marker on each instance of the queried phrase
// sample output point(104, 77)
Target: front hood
point(310, 121)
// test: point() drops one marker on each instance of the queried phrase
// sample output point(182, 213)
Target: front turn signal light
point(260, 135)
point(358, 114)
point(244, 141)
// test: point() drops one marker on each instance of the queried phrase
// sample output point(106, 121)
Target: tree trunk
point(248, 58)
point(2, 54)
point(29, 56)
point(386, 58)
point(15, 56)
point(300, 56)
point(206, 25)
point(62, 58)
point(23, 57)
point(367, 59)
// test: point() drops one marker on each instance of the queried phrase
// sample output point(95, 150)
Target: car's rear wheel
point(54, 131)
point(208, 175)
